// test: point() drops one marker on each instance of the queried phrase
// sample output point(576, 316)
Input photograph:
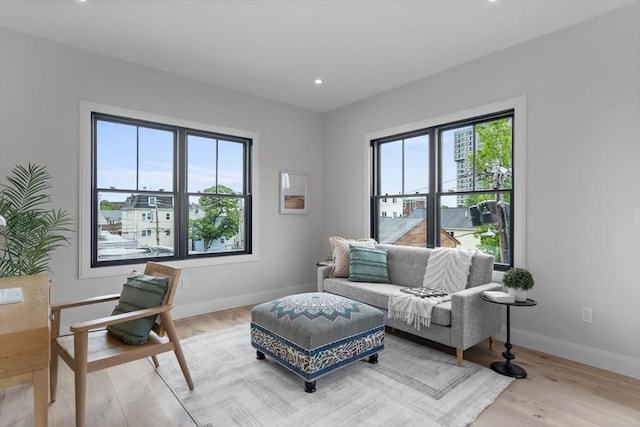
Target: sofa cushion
point(340, 254)
point(377, 295)
point(406, 264)
point(481, 270)
point(367, 265)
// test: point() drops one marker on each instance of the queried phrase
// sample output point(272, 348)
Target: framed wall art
point(294, 192)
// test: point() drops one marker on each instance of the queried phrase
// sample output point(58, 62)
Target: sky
point(124, 149)
point(121, 152)
point(416, 165)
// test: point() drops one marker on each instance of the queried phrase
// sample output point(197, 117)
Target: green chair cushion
point(139, 292)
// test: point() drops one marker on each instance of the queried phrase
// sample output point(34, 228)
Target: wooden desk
point(25, 343)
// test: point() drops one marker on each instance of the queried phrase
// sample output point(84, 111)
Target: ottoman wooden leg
point(310, 386)
point(259, 355)
point(373, 358)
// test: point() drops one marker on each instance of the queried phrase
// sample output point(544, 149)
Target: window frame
point(86, 219)
point(517, 206)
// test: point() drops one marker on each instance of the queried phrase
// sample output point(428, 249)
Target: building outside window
point(174, 192)
point(448, 185)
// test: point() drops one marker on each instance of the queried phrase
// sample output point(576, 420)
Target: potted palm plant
point(32, 231)
point(518, 280)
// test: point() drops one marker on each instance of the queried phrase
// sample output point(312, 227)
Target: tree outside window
point(220, 220)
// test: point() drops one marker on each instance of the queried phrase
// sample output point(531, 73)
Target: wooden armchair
point(90, 347)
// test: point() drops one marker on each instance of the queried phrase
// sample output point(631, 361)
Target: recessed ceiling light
point(318, 82)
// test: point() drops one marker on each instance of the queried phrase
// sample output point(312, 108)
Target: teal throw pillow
point(139, 292)
point(368, 265)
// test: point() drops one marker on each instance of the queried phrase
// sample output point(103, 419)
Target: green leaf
point(33, 231)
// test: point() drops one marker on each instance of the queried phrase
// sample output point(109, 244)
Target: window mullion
point(375, 189)
point(432, 211)
point(402, 180)
point(181, 214)
point(137, 157)
point(217, 160)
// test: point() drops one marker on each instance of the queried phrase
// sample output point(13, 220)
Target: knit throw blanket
point(412, 309)
point(448, 271)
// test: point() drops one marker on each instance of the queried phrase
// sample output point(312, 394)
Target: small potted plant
point(518, 281)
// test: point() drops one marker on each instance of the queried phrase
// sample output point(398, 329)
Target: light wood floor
point(557, 392)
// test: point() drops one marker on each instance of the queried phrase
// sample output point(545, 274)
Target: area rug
point(412, 385)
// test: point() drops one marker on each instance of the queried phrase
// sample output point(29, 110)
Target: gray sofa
point(460, 323)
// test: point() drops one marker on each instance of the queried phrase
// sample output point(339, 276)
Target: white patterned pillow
point(448, 269)
point(340, 254)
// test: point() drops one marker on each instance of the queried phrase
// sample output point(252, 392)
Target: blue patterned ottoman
point(316, 333)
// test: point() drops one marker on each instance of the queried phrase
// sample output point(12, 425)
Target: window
point(181, 192)
point(451, 185)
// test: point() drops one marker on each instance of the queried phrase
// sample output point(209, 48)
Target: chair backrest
point(173, 273)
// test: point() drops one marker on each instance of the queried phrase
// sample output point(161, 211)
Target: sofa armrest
point(472, 319)
point(323, 273)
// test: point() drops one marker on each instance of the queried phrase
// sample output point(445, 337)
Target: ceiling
point(276, 49)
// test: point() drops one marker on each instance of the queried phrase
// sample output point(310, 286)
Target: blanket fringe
point(413, 310)
point(413, 319)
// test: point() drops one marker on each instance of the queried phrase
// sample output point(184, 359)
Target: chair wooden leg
point(169, 327)
point(80, 343)
point(492, 342)
point(155, 361)
point(53, 362)
point(459, 356)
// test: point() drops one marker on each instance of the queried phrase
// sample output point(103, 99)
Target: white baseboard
point(618, 363)
point(188, 310)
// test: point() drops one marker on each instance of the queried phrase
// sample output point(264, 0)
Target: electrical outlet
point(587, 314)
point(185, 283)
point(636, 216)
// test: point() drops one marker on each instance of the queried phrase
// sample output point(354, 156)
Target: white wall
point(41, 84)
point(582, 87)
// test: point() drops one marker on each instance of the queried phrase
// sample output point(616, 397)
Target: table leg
point(507, 368)
point(40, 398)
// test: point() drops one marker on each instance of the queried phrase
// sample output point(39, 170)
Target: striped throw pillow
point(139, 292)
point(368, 265)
